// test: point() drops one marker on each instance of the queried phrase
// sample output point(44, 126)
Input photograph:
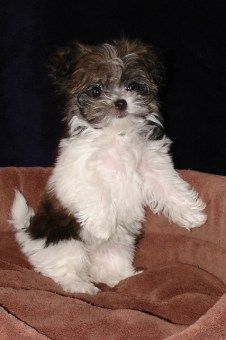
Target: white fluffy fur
point(106, 177)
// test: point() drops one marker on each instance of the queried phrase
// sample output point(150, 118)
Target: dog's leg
point(166, 192)
point(112, 261)
point(66, 262)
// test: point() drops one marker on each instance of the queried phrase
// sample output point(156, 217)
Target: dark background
point(191, 34)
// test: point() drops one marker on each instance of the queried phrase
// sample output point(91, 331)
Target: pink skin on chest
point(117, 157)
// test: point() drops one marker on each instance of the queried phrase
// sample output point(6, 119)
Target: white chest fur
point(98, 178)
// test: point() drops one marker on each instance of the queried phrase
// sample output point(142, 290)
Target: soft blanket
point(181, 294)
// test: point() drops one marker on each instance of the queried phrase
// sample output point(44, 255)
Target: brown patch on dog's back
point(53, 222)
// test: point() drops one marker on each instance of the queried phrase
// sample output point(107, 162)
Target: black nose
point(121, 104)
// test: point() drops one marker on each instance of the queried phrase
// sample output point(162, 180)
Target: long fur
point(105, 175)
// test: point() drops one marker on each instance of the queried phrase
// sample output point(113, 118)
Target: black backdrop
point(191, 34)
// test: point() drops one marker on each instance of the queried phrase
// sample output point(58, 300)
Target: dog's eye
point(133, 86)
point(139, 88)
point(96, 91)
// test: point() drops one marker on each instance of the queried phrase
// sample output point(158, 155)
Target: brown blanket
point(180, 295)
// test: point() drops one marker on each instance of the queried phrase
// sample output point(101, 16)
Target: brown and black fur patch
point(53, 223)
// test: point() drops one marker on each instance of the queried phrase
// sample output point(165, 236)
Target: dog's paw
point(80, 287)
point(114, 280)
point(189, 212)
point(193, 220)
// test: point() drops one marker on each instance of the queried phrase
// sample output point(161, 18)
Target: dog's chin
point(117, 114)
point(110, 118)
point(120, 115)
point(119, 118)
point(127, 117)
point(113, 117)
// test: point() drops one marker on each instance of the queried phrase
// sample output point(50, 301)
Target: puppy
point(113, 162)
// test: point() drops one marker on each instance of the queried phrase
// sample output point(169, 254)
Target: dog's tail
point(21, 213)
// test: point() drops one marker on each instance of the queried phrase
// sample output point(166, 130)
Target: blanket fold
point(181, 293)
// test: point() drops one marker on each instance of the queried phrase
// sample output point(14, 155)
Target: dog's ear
point(153, 58)
point(158, 70)
point(62, 62)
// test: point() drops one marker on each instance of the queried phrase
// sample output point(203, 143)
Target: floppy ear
point(62, 62)
point(158, 72)
point(154, 60)
point(150, 56)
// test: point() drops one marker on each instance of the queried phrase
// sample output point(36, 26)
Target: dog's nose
point(121, 104)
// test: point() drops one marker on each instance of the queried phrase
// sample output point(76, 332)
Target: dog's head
point(108, 81)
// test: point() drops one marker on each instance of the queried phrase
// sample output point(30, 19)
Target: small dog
point(113, 162)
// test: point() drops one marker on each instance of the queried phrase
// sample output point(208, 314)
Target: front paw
point(111, 282)
point(80, 287)
point(189, 214)
point(192, 219)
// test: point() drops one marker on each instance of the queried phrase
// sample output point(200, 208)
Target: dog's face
point(108, 81)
